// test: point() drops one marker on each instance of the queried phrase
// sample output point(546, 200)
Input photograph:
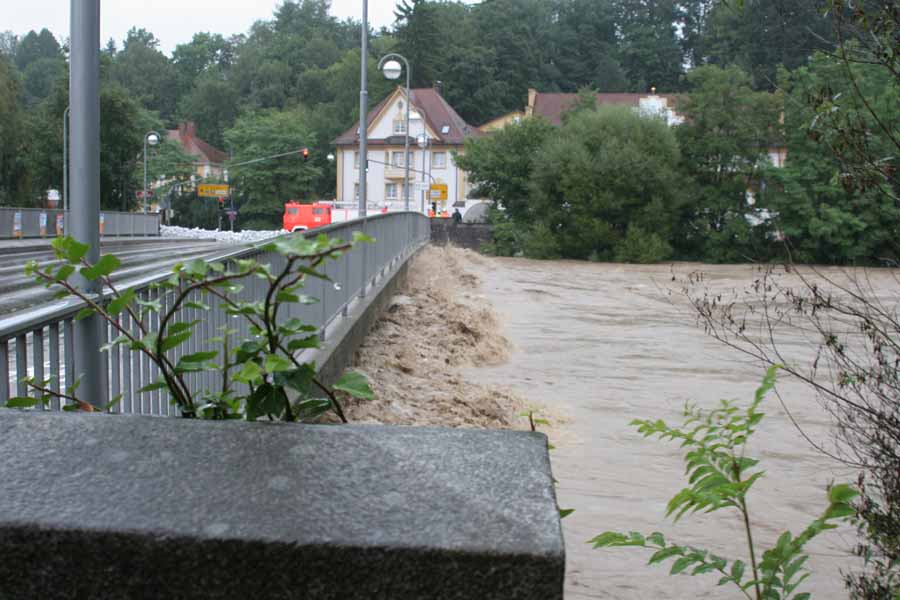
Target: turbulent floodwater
point(602, 344)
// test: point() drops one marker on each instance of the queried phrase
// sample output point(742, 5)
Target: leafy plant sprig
point(720, 476)
point(280, 386)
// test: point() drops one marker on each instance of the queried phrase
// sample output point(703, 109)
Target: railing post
point(84, 97)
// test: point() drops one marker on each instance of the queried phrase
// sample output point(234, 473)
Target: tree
point(649, 50)
point(724, 141)
point(604, 172)
point(146, 74)
point(760, 35)
point(500, 165)
point(212, 104)
point(826, 212)
point(264, 187)
point(36, 46)
point(14, 177)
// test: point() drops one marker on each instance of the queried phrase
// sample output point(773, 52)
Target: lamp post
point(151, 138)
point(423, 142)
point(391, 69)
point(363, 107)
point(66, 166)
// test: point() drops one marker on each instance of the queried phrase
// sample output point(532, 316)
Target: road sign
point(140, 194)
point(213, 190)
point(438, 191)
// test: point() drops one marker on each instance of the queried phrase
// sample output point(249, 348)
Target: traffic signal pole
point(84, 99)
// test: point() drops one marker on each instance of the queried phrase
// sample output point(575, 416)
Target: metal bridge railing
point(43, 222)
point(39, 342)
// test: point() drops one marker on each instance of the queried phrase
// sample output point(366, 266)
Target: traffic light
point(305, 153)
point(221, 203)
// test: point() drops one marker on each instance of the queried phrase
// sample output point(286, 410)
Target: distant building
point(446, 132)
point(209, 161)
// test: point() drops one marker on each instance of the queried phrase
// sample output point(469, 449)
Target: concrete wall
point(464, 235)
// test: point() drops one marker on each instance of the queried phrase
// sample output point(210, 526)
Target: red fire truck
point(300, 217)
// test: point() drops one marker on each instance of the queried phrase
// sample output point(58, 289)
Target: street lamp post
point(66, 167)
point(151, 138)
point(423, 142)
point(363, 107)
point(391, 69)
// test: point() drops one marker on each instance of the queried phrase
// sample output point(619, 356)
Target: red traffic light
point(305, 153)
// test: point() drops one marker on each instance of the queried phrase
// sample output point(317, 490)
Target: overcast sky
point(172, 21)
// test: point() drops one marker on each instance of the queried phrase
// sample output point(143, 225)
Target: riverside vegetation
point(720, 476)
point(260, 376)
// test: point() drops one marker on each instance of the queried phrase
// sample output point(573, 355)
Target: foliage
point(602, 172)
point(640, 246)
point(260, 376)
point(838, 205)
point(265, 187)
point(13, 171)
point(500, 165)
point(720, 476)
point(725, 140)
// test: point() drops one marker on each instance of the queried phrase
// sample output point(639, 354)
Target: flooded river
point(601, 344)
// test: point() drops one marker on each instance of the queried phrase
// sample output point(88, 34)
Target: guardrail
point(39, 342)
point(41, 222)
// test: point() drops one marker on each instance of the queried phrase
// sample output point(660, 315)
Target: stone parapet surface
point(107, 507)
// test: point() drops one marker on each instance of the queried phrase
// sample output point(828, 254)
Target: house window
point(356, 192)
point(445, 129)
point(356, 160)
point(439, 160)
point(391, 191)
point(400, 127)
point(398, 159)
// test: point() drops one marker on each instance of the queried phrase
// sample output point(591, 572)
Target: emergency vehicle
point(300, 217)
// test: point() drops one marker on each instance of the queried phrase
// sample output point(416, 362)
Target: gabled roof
point(432, 106)
point(551, 106)
point(186, 136)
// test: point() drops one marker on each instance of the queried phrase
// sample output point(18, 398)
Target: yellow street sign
point(438, 191)
point(212, 190)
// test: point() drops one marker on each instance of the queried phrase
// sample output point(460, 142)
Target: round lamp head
point(422, 140)
point(330, 157)
point(392, 69)
point(152, 139)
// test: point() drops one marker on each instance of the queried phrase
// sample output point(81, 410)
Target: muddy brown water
point(602, 345)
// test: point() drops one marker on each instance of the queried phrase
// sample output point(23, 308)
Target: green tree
point(649, 50)
point(603, 172)
point(724, 141)
point(500, 165)
point(264, 187)
point(146, 74)
point(212, 104)
point(825, 212)
point(14, 184)
point(36, 46)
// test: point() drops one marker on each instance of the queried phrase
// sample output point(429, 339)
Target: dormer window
point(400, 127)
point(445, 129)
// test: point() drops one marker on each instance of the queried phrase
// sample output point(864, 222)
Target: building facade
point(433, 122)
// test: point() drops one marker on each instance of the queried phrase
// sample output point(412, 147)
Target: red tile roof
point(437, 113)
point(186, 135)
point(552, 106)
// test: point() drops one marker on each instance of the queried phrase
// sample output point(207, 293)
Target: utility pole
point(363, 108)
point(84, 98)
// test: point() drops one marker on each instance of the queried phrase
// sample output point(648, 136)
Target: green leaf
point(312, 408)
point(681, 564)
point(356, 385)
point(84, 313)
point(151, 305)
point(171, 341)
point(106, 265)
point(360, 237)
point(250, 373)
point(22, 402)
point(200, 356)
point(67, 248)
point(661, 555)
point(152, 387)
point(301, 344)
point(197, 305)
point(737, 570)
point(299, 379)
point(63, 273)
point(196, 268)
point(275, 363)
point(109, 405)
point(121, 303)
point(842, 492)
point(565, 512)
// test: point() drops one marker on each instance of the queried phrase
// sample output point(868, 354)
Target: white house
point(445, 132)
